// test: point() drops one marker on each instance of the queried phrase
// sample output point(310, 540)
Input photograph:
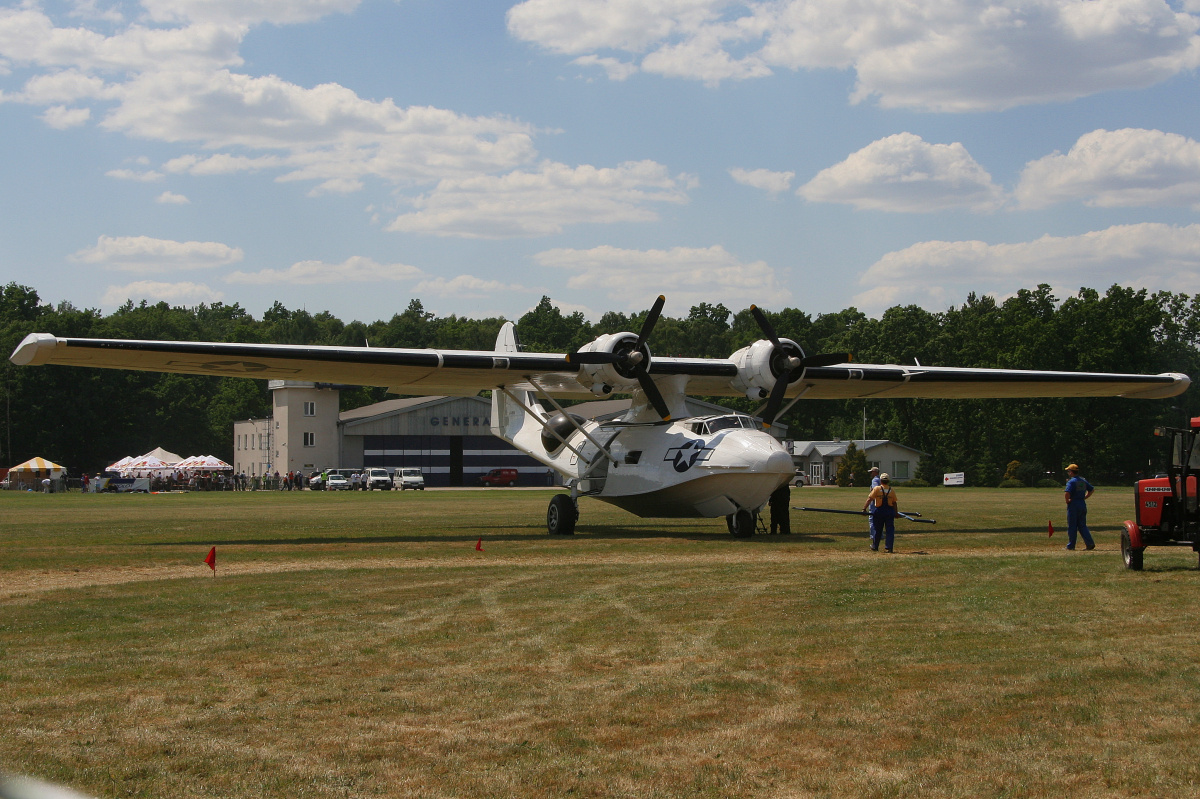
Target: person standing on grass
point(780, 503)
point(882, 507)
point(1076, 494)
point(874, 473)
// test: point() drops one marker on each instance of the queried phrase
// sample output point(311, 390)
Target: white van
point(410, 478)
point(378, 478)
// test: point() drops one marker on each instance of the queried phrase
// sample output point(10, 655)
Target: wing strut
point(530, 412)
point(542, 392)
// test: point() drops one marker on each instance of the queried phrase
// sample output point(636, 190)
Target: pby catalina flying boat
point(656, 461)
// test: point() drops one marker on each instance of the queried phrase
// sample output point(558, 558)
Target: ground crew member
point(1076, 493)
point(874, 474)
point(881, 504)
point(780, 502)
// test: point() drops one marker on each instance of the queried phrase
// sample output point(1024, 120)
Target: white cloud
point(356, 269)
point(1130, 167)
point(171, 198)
point(579, 26)
point(60, 117)
point(66, 86)
point(615, 69)
point(935, 274)
point(904, 173)
point(28, 36)
point(765, 179)
point(543, 202)
point(695, 275)
point(462, 286)
point(948, 56)
point(144, 254)
point(145, 176)
point(186, 294)
point(221, 164)
point(324, 133)
point(245, 12)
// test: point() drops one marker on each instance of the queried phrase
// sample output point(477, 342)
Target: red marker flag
point(479, 545)
point(211, 560)
point(1051, 525)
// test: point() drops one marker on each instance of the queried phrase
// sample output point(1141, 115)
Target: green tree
point(852, 469)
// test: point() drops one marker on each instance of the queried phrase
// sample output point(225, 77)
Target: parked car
point(801, 479)
point(337, 482)
point(378, 478)
point(500, 477)
point(410, 478)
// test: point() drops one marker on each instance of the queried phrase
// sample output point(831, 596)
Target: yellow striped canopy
point(38, 465)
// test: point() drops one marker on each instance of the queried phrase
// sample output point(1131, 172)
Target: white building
point(820, 459)
point(301, 435)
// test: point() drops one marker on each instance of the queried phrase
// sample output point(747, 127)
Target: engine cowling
point(619, 375)
point(760, 365)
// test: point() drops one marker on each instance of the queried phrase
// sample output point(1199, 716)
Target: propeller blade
point(765, 325)
point(827, 359)
point(775, 401)
point(651, 320)
point(653, 394)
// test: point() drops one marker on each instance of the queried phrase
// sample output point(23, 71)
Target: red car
point(500, 477)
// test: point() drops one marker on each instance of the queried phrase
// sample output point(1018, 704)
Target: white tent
point(144, 466)
point(208, 463)
point(169, 458)
point(121, 464)
point(203, 463)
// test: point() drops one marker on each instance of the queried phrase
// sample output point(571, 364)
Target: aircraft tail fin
point(509, 419)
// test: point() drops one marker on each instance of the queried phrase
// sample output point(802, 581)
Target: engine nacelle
point(604, 378)
point(760, 365)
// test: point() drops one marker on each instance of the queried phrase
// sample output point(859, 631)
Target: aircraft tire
point(561, 515)
point(741, 524)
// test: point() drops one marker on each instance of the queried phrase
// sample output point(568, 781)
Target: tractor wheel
point(1131, 554)
point(561, 515)
point(741, 524)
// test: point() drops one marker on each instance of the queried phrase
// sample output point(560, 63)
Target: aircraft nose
point(755, 452)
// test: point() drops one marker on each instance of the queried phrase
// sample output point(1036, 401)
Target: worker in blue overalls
point(1076, 494)
point(882, 505)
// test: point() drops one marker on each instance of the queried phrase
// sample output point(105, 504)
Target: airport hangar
point(448, 438)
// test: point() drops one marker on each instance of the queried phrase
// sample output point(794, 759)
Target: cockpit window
point(727, 422)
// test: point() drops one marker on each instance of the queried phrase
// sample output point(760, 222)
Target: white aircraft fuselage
point(684, 469)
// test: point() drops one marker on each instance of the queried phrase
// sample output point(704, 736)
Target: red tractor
point(1166, 506)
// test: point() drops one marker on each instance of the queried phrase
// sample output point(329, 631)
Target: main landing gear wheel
point(1131, 554)
point(742, 523)
point(561, 515)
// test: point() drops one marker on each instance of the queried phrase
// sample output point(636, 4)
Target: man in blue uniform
point(1076, 494)
point(881, 504)
point(874, 473)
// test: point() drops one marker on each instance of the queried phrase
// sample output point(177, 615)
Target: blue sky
point(349, 155)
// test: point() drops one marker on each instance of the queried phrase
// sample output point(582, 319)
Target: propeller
point(632, 361)
point(787, 365)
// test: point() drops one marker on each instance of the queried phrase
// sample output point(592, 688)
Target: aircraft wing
point(463, 372)
point(849, 381)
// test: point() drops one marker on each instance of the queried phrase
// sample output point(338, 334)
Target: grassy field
point(360, 645)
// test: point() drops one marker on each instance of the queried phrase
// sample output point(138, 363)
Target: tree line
point(86, 418)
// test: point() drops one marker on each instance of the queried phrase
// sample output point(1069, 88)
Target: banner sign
point(954, 479)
